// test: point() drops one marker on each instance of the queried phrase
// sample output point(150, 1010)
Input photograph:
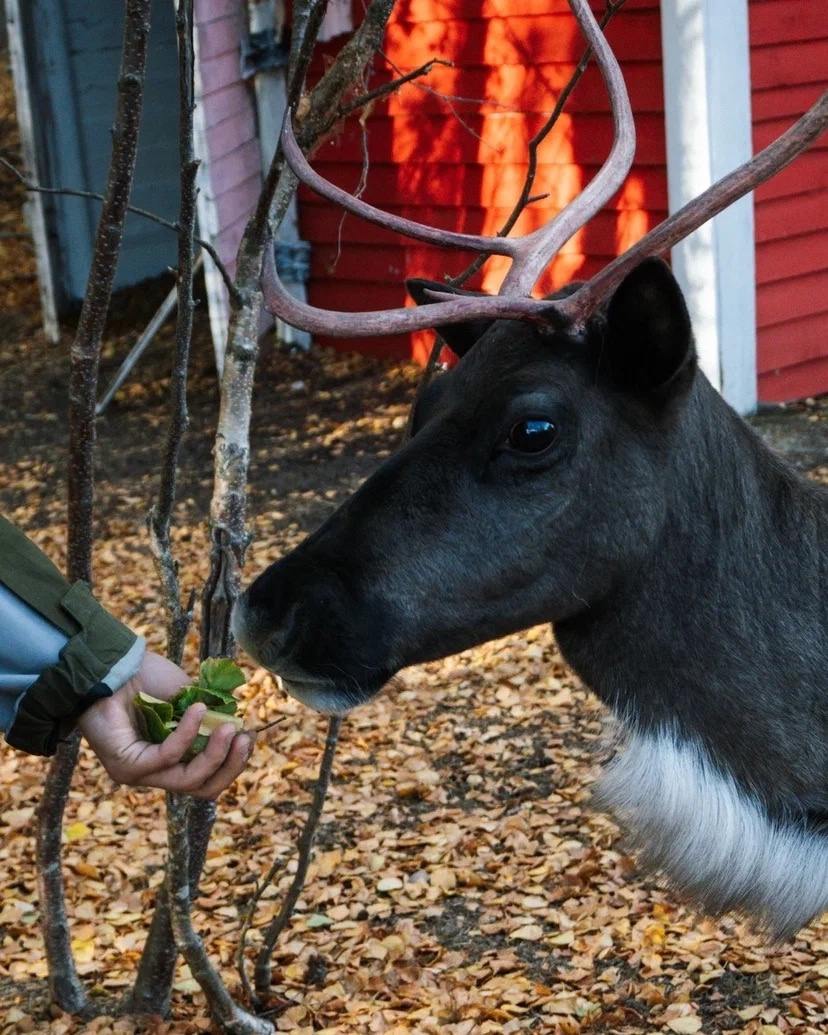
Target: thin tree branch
point(231, 1018)
point(306, 23)
point(305, 848)
point(160, 516)
point(144, 213)
point(64, 983)
point(448, 100)
point(320, 114)
point(388, 88)
point(153, 986)
point(525, 198)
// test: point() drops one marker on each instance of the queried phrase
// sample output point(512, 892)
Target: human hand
point(109, 727)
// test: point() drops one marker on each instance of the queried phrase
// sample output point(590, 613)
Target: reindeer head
point(531, 485)
point(477, 527)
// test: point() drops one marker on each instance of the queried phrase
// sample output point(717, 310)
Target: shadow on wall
point(451, 150)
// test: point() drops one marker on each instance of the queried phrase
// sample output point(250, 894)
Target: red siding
point(461, 165)
point(789, 66)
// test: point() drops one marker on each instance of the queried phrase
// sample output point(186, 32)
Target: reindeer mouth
point(329, 697)
point(335, 691)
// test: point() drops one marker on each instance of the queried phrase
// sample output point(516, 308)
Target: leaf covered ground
point(461, 883)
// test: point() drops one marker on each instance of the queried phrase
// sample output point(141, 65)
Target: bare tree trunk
point(153, 985)
point(65, 987)
point(230, 1018)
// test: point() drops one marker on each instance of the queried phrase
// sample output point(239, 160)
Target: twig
point(160, 516)
point(525, 198)
point(388, 88)
point(477, 102)
point(448, 100)
point(198, 824)
point(359, 190)
point(144, 213)
point(152, 990)
point(305, 847)
point(64, 984)
point(256, 730)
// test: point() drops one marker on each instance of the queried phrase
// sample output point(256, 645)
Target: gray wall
point(73, 48)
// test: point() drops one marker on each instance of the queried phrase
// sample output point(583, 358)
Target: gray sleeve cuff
point(126, 668)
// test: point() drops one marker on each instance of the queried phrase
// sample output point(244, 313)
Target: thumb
point(170, 752)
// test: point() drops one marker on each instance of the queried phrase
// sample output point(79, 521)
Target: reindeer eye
point(532, 436)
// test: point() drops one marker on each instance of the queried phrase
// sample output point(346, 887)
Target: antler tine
point(532, 253)
point(747, 177)
point(457, 309)
point(295, 158)
point(536, 250)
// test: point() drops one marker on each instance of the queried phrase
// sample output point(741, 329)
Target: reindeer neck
point(720, 637)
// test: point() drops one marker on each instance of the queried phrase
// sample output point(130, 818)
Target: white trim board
point(706, 60)
point(33, 206)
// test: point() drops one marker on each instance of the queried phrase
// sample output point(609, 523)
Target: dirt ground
point(461, 883)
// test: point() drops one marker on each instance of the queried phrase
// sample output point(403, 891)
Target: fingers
point(235, 761)
point(173, 749)
point(210, 771)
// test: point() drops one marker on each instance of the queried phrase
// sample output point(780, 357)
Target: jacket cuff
point(90, 659)
point(128, 665)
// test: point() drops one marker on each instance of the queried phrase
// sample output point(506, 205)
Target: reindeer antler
point(709, 203)
point(532, 253)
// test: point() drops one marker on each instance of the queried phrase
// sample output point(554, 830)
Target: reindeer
point(577, 467)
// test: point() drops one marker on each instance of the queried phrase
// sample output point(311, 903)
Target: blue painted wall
point(74, 52)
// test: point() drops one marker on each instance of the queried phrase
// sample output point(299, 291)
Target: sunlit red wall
point(789, 68)
point(461, 165)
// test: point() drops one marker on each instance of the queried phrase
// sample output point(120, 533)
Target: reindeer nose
point(265, 615)
point(285, 612)
point(254, 632)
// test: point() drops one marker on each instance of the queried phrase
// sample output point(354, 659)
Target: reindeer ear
point(458, 336)
point(650, 340)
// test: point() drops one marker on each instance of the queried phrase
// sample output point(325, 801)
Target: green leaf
point(163, 709)
point(151, 725)
point(197, 746)
point(221, 674)
point(186, 696)
point(220, 701)
point(216, 700)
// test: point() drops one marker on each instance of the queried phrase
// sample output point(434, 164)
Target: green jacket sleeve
point(98, 655)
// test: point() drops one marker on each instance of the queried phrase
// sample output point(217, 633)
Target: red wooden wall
point(461, 165)
point(789, 66)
